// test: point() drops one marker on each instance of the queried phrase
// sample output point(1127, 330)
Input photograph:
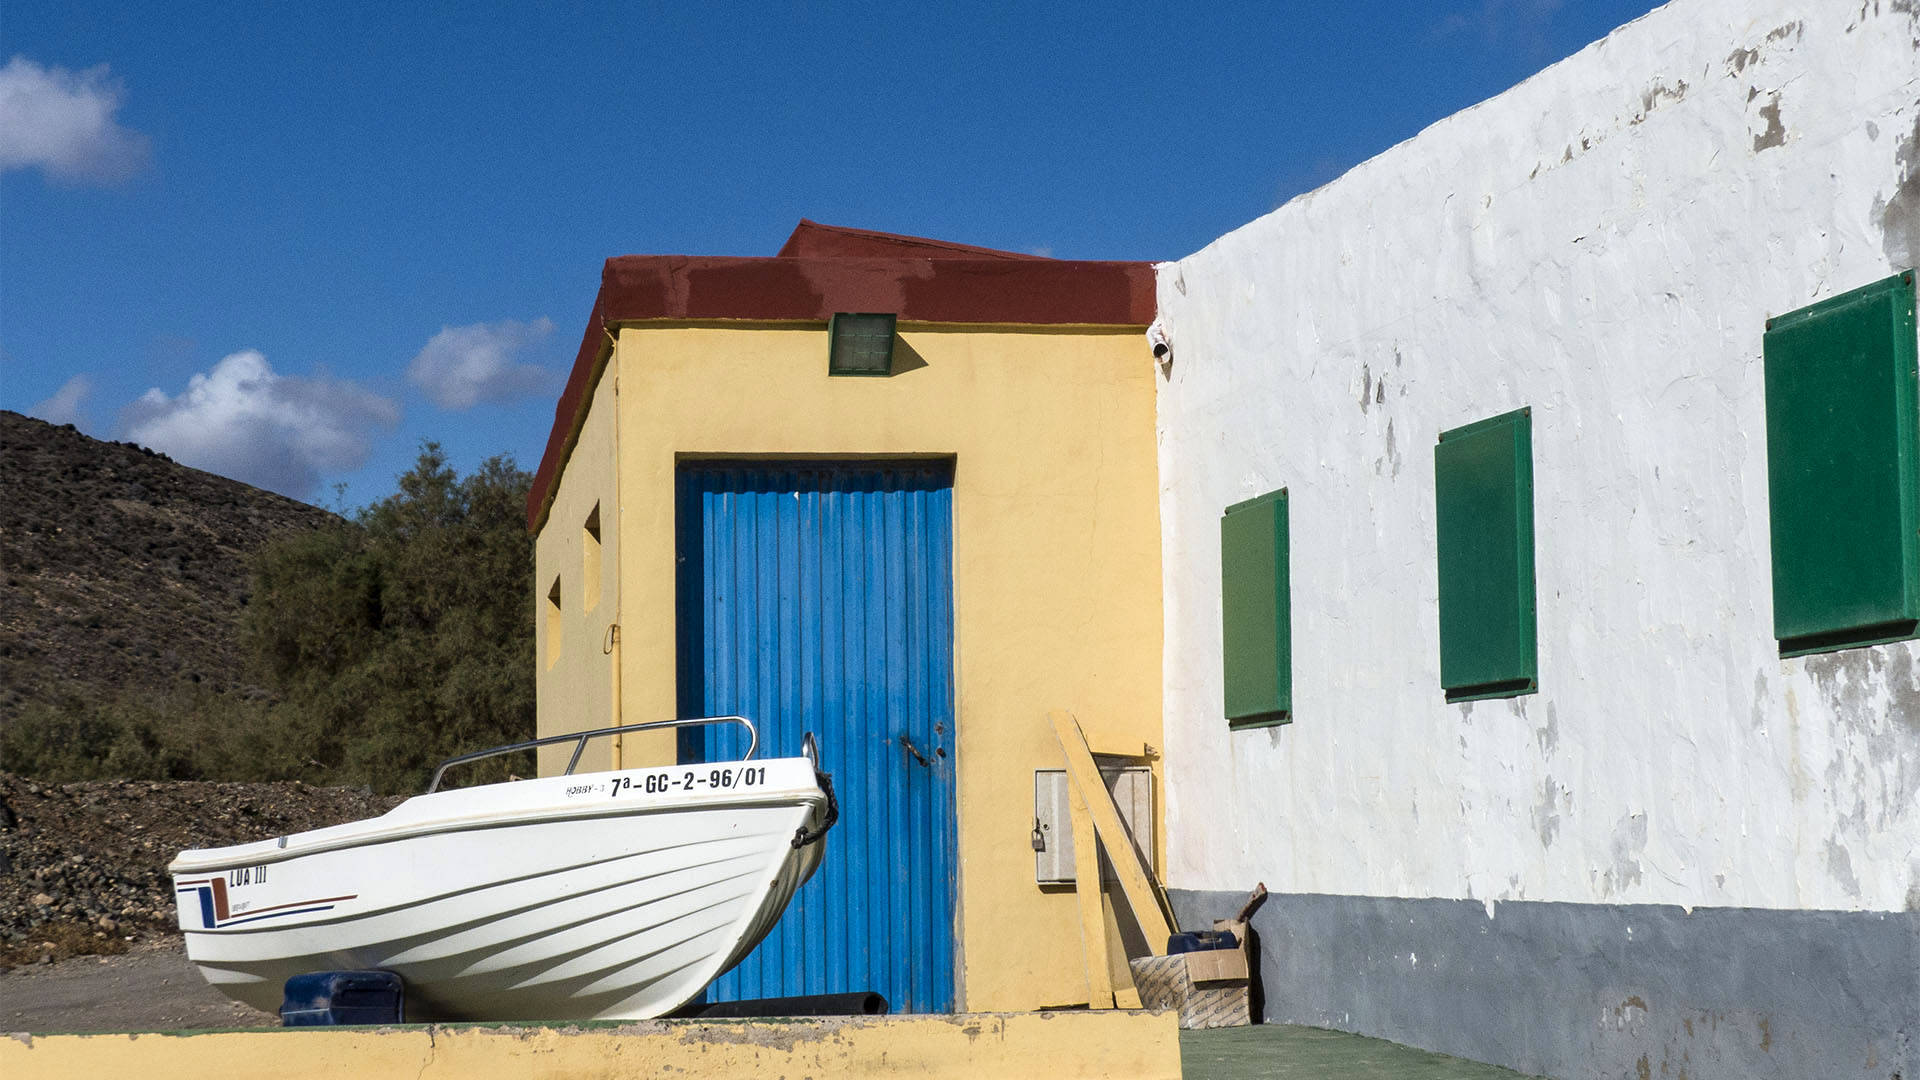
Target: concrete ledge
point(1058, 1046)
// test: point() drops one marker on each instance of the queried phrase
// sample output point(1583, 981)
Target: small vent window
point(590, 559)
point(860, 344)
point(553, 623)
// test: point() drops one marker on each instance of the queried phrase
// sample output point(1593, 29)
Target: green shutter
point(1841, 470)
point(1483, 481)
point(1257, 627)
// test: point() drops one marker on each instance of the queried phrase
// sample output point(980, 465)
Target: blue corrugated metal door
point(818, 598)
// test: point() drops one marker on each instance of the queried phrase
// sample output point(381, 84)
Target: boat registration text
point(682, 780)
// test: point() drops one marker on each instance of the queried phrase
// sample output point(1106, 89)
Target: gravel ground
point(151, 987)
point(88, 937)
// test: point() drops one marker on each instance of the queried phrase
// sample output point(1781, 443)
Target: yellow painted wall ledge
point(1058, 1046)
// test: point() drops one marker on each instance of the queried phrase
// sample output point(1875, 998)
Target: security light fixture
point(861, 344)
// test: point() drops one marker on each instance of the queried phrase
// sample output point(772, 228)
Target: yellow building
point(896, 492)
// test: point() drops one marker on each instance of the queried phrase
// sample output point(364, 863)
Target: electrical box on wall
point(1132, 789)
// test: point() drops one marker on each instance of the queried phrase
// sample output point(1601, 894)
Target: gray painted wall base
point(1593, 990)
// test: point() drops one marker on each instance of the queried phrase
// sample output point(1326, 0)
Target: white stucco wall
point(1603, 243)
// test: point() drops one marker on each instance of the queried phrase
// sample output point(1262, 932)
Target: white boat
point(609, 895)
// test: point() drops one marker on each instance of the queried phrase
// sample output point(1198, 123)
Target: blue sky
point(288, 242)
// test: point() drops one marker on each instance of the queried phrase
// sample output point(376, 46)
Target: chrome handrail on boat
point(580, 739)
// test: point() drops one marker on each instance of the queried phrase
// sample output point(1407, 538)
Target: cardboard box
point(1165, 982)
point(1208, 988)
point(1216, 964)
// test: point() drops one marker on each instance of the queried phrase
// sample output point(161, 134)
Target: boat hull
point(599, 896)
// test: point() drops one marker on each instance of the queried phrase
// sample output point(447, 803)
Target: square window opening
point(861, 343)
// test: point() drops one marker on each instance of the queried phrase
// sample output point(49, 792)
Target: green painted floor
point(1286, 1052)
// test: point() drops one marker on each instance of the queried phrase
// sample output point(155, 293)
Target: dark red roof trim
point(928, 281)
point(812, 240)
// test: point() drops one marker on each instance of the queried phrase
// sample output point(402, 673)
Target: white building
point(1646, 834)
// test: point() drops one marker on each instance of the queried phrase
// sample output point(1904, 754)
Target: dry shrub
point(50, 942)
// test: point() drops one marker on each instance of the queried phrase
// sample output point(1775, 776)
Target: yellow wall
point(1061, 1046)
point(1056, 561)
point(575, 682)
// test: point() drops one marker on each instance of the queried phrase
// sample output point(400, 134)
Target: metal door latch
point(915, 751)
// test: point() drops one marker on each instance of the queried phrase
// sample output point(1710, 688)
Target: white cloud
point(62, 121)
point(463, 366)
point(64, 407)
point(279, 432)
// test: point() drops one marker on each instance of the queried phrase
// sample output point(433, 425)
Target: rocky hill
point(121, 569)
point(123, 583)
point(83, 865)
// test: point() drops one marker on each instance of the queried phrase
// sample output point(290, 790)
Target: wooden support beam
point(1150, 908)
point(1093, 916)
point(1142, 752)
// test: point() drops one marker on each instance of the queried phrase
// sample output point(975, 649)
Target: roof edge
point(962, 287)
point(811, 239)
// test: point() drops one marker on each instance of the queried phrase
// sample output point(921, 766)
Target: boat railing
point(579, 739)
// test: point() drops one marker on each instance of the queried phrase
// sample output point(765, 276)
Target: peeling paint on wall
point(1775, 133)
point(1660, 93)
point(1546, 814)
point(1898, 214)
point(1840, 865)
point(1629, 843)
point(1872, 697)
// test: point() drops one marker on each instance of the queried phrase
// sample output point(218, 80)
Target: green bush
point(186, 732)
point(406, 636)
point(388, 643)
